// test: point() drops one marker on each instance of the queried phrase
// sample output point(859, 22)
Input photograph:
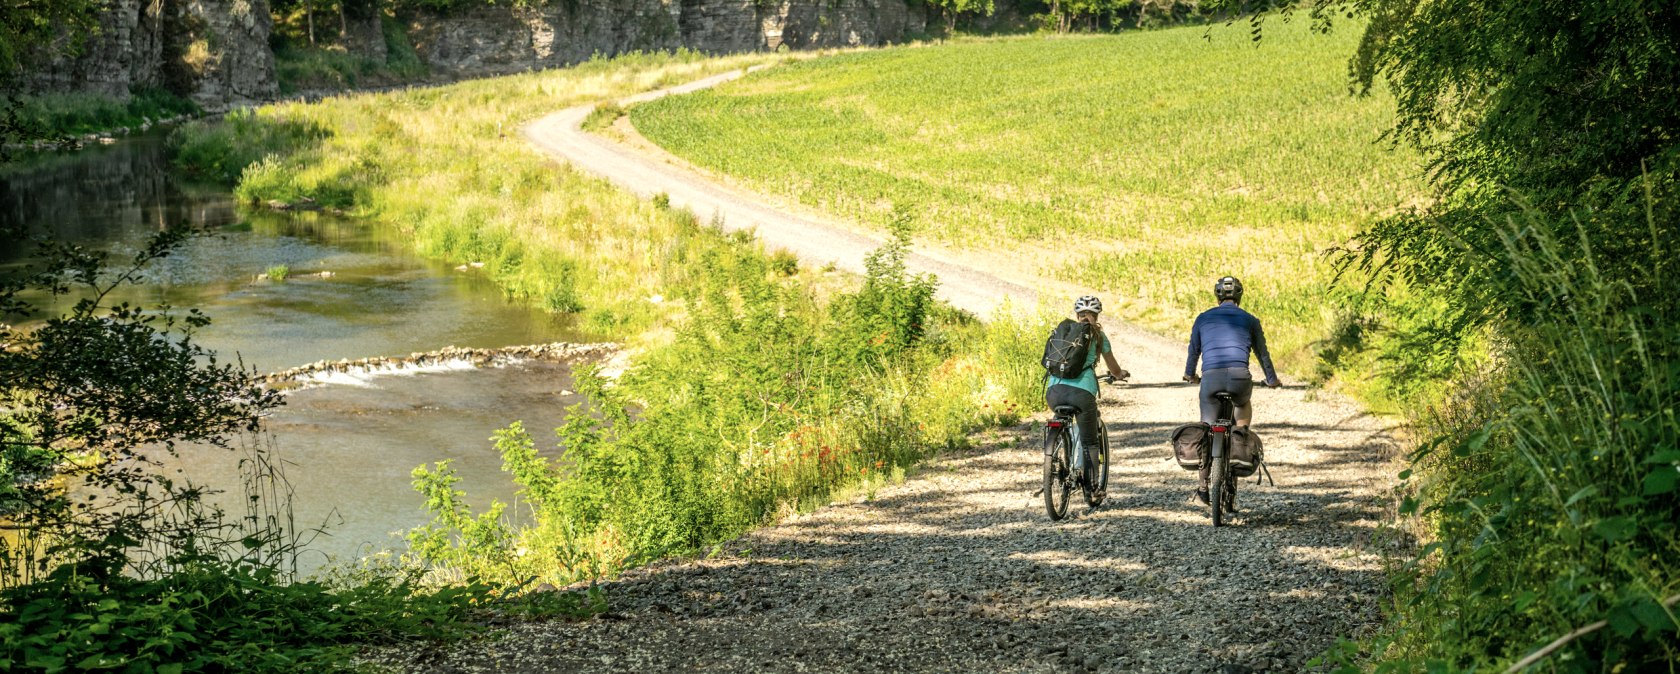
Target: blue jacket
point(1223, 336)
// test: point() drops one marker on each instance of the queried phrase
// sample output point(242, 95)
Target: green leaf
point(1665, 456)
point(1408, 505)
point(1652, 615)
point(1406, 474)
point(1473, 443)
point(171, 668)
point(1622, 622)
point(1586, 491)
point(1616, 529)
point(1662, 480)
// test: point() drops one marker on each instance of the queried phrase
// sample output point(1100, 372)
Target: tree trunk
point(309, 17)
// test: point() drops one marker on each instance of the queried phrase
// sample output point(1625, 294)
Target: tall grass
point(1548, 493)
point(771, 398)
point(1143, 165)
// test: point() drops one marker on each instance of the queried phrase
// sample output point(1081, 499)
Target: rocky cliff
point(217, 52)
point(212, 51)
point(499, 39)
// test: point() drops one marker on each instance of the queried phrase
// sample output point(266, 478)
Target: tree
point(43, 29)
point(92, 399)
point(1567, 109)
point(954, 8)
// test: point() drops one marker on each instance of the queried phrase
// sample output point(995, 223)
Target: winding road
point(957, 569)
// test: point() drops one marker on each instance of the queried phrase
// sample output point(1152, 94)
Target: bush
point(210, 616)
point(1549, 490)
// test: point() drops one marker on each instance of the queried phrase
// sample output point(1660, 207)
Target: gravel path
point(957, 569)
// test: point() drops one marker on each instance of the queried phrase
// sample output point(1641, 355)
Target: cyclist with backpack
point(1222, 338)
point(1070, 360)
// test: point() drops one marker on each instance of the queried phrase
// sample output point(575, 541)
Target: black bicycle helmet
point(1228, 288)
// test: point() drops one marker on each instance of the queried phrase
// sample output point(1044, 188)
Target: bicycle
point(1222, 481)
point(1222, 484)
point(1066, 465)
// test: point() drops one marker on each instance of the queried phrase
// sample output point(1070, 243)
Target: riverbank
point(802, 382)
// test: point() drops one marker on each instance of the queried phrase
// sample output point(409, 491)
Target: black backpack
point(1067, 349)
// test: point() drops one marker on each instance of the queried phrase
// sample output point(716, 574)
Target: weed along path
point(957, 568)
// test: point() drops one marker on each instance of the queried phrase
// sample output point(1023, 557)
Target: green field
point(1141, 165)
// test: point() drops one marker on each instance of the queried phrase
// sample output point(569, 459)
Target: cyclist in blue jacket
point(1222, 338)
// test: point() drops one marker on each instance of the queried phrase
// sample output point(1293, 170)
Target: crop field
point(1141, 165)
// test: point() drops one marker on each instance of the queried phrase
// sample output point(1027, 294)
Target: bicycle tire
point(1216, 482)
point(1057, 481)
point(1096, 479)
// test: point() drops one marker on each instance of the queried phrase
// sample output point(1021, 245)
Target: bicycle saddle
point(1066, 411)
point(1224, 395)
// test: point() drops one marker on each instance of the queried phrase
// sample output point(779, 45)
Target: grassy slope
point(1142, 165)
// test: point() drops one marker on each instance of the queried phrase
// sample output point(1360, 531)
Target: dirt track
point(958, 569)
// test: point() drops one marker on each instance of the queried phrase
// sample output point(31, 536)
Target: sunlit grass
point(450, 167)
point(1142, 166)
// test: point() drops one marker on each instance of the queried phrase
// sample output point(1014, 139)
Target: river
point(349, 445)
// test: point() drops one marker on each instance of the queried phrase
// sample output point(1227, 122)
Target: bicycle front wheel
point(1058, 482)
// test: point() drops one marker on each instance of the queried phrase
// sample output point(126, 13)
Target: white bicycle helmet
point(1087, 303)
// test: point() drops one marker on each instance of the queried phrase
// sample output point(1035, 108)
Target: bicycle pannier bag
point(1189, 443)
point(1067, 349)
point(1246, 451)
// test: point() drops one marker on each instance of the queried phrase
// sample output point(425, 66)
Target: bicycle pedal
point(1038, 493)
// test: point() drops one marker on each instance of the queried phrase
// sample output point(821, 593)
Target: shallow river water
point(350, 445)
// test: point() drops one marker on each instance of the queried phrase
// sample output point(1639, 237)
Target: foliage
point(954, 9)
point(1550, 489)
point(210, 616)
point(92, 397)
point(51, 115)
point(767, 402)
point(1571, 106)
point(278, 272)
point(1546, 480)
point(301, 66)
point(41, 30)
point(1142, 166)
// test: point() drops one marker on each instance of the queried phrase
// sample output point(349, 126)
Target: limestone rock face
point(492, 40)
point(212, 51)
point(221, 54)
point(216, 52)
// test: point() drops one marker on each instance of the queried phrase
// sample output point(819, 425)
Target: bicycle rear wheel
point(1216, 482)
point(1058, 481)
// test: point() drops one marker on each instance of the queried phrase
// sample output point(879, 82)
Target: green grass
point(1141, 166)
point(52, 115)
